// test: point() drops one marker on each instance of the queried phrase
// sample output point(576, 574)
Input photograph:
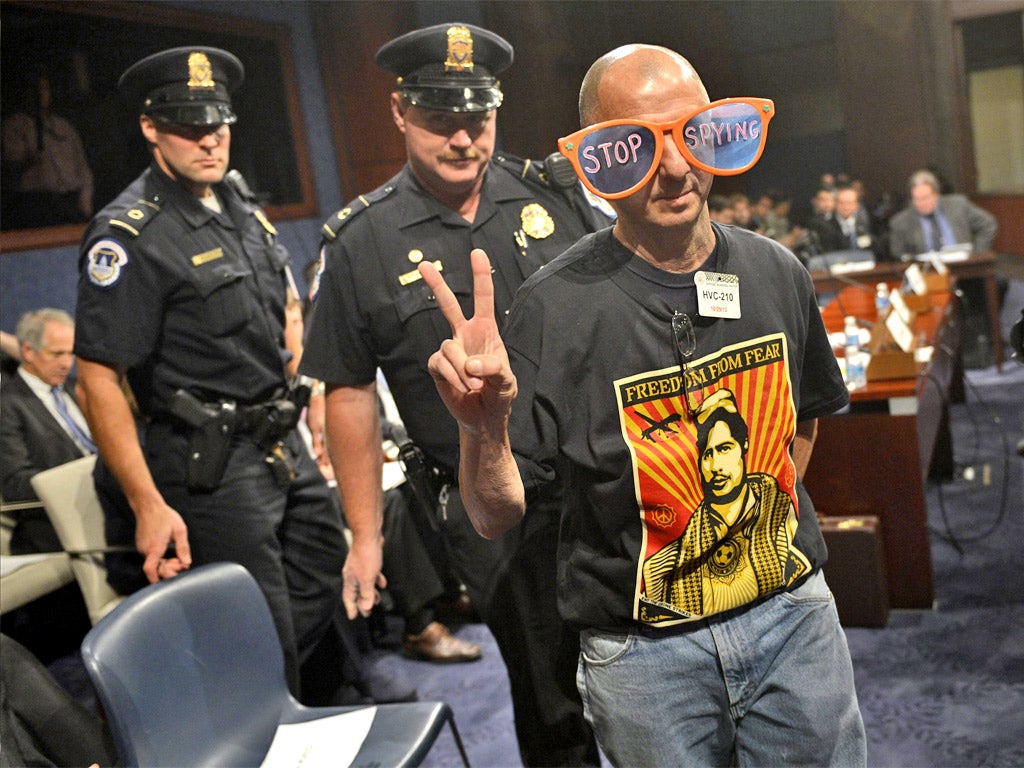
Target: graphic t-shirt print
point(714, 481)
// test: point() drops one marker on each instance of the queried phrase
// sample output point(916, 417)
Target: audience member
point(824, 202)
point(933, 220)
point(854, 223)
point(183, 291)
point(721, 209)
point(772, 214)
point(762, 215)
point(742, 214)
point(822, 225)
point(745, 663)
point(46, 176)
point(42, 426)
point(373, 311)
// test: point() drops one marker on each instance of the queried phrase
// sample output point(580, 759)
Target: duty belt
point(212, 426)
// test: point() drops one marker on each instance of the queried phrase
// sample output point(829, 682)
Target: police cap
point(186, 86)
point(450, 67)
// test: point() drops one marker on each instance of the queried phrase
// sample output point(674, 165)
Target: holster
point(424, 480)
point(209, 444)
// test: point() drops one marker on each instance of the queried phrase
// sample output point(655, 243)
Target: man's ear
point(398, 107)
point(148, 128)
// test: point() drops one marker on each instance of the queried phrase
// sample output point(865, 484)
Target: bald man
point(612, 358)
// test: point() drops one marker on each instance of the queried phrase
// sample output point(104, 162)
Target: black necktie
point(934, 235)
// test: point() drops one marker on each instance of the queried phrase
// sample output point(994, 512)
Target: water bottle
point(882, 299)
point(856, 375)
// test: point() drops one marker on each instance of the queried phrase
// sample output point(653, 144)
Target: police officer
point(182, 289)
point(373, 310)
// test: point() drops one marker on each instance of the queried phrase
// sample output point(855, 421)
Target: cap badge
point(537, 222)
point(200, 73)
point(460, 50)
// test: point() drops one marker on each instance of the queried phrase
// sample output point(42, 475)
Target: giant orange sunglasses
point(617, 157)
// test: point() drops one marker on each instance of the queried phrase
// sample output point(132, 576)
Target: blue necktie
point(76, 431)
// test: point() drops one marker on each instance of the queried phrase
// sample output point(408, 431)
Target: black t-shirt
point(601, 407)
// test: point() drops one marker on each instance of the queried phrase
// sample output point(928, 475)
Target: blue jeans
point(766, 685)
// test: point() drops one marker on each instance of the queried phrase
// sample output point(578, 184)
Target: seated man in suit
point(827, 233)
point(934, 220)
point(41, 425)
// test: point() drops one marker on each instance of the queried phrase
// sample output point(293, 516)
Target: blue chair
point(190, 673)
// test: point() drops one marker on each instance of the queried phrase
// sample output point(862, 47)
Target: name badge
point(718, 295)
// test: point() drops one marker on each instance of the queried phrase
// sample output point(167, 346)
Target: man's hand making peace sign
point(476, 383)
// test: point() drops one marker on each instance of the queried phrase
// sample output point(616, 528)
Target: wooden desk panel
point(876, 459)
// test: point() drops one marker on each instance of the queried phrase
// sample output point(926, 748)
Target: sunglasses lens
point(617, 158)
point(726, 137)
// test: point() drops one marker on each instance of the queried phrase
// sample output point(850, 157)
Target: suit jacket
point(31, 440)
point(970, 224)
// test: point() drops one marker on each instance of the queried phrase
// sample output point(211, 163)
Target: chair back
point(190, 671)
point(69, 498)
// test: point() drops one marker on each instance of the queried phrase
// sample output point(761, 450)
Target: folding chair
point(190, 672)
point(69, 497)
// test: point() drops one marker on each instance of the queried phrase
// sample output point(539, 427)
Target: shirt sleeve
point(338, 348)
point(121, 295)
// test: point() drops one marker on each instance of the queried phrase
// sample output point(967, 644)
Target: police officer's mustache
point(454, 157)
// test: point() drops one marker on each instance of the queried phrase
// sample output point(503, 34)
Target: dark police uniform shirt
point(372, 309)
point(183, 296)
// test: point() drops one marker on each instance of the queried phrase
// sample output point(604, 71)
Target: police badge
point(537, 222)
point(460, 50)
point(200, 73)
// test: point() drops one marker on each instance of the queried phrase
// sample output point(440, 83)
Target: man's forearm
point(354, 444)
point(115, 433)
point(490, 483)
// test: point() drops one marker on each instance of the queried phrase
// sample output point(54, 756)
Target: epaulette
point(333, 225)
point(136, 216)
point(527, 170)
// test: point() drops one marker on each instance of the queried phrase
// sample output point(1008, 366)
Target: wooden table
point(875, 459)
point(979, 265)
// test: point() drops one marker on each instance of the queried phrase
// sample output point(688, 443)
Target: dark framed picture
point(71, 143)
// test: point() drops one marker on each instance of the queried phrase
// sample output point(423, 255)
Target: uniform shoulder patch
point(105, 262)
point(333, 225)
point(136, 216)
